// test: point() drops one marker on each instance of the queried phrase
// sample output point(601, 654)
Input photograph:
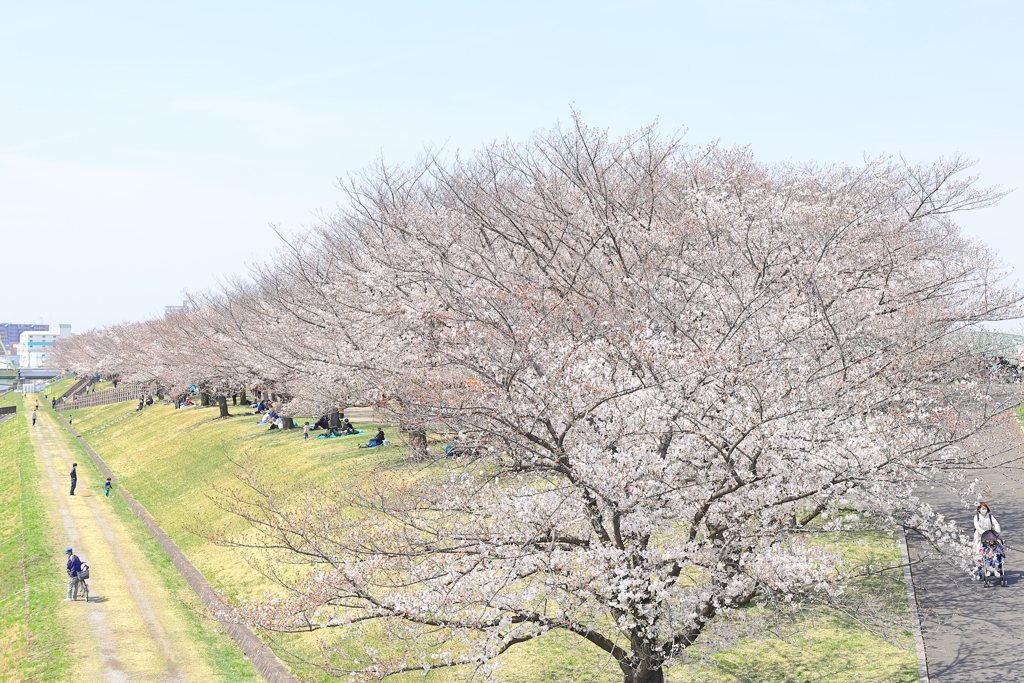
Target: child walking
point(305, 432)
point(106, 487)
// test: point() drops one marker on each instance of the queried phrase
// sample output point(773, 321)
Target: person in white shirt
point(984, 521)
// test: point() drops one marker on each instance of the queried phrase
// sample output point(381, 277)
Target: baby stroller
point(990, 559)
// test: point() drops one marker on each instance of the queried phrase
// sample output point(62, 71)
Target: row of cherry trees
point(670, 363)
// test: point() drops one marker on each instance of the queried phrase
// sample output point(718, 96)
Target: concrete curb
point(915, 617)
point(263, 658)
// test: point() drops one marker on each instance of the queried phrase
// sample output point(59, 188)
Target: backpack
point(83, 573)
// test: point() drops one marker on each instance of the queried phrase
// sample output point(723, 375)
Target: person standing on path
point(106, 487)
point(74, 476)
point(74, 569)
point(34, 417)
point(984, 521)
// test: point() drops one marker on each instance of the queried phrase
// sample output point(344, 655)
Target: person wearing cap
point(74, 569)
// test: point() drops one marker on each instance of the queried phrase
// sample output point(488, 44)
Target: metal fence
point(8, 410)
point(132, 391)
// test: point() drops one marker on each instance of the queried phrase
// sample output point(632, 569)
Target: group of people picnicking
point(342, 426)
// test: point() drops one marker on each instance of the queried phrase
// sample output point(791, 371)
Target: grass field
point(33, 641)
point(220, 654)
point(174, 460)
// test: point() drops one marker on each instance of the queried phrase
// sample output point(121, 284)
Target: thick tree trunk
point(642, 674)
point(244, 400)
point(418, 444)
point(222, 403)
point(204, 399)
point(287, 423)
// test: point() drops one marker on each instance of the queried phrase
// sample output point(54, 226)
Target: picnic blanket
point(340, 435)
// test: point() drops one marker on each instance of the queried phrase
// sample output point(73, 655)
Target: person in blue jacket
point(74, 569)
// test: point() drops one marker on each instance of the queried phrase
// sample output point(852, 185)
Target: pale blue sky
point(148, 148)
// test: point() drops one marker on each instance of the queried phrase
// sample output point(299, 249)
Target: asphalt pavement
point(974, 634)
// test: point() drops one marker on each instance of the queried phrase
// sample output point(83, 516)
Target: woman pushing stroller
point(988, 547)
point(984, 521)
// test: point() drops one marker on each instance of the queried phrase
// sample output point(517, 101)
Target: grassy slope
point(173, 460)
point(220, 652)
point(33, 642)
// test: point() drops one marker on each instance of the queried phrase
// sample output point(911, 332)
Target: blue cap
point(68, 550)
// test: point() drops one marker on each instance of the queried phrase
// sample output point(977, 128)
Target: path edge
point(262, 657)
point(915, 617)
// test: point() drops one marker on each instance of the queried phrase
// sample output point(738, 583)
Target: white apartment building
point(34, 347)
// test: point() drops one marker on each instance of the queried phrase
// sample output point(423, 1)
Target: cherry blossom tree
point(667, 364)
point(671, 363)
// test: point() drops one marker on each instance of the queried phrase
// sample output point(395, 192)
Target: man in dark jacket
point(74, 569)
point(74, 477)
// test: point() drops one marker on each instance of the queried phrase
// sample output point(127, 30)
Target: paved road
point(974, 634)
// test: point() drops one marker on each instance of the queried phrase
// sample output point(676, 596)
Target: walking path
point(130, 629)
point(973, 633)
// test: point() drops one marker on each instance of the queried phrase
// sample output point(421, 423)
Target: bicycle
point(83, 584)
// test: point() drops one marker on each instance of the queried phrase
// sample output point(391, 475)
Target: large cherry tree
point(668, 363)
point(665, 365)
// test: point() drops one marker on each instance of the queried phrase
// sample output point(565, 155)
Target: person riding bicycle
point(74, 570)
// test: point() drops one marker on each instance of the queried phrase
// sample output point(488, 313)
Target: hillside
point(176, 461)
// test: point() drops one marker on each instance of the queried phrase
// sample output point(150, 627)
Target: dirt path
point(130, 629)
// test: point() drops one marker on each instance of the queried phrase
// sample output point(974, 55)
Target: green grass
point(816, 643)
point(221, 653)
point(33, 641)
point(58, 388)
point(173, 461)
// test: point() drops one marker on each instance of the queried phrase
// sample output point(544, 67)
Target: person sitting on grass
point(347, 428)
point(377, 440)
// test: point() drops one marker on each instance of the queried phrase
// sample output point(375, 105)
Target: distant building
point(183, 306)
point(10, 333)
point(34, 346)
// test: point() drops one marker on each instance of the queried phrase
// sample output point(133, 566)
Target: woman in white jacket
point(984, 521)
